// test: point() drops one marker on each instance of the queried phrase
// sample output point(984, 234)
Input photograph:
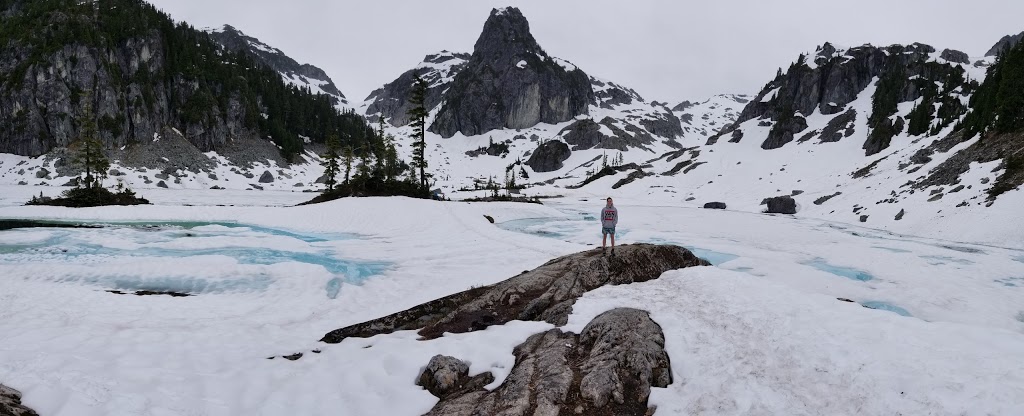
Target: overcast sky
point(666, 50)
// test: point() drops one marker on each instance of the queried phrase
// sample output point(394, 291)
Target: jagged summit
point(510, 82)
point(507, 33)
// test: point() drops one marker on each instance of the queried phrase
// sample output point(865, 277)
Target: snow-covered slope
point(294, 73)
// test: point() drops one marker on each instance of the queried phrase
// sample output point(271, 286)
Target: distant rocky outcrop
point(608, 369)
point(10, 403)
point(546, 293)
point(549, 156)
point(510, 82)
point(392, 100)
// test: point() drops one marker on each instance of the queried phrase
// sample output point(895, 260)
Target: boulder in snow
point(715, 205)
point(10, 403)
point(781, 205)
point(267, 177)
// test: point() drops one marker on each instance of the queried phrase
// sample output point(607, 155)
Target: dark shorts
point(608, 230)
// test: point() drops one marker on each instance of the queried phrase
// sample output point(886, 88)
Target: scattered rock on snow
point(42, 173)
point(549, 156)
point(447, 376)
point(267, 177)
point(715, 205)
point(489, 218)
point(899, 217)
point(161, 184)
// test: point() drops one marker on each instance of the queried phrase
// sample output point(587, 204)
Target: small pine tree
point(348, 164)
point(330, 162)
point(604, 161)
point(418, 113)
point(89, 153)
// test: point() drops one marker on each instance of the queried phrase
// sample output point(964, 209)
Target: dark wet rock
point(489, 218)
point(899, 217)
point(161, 184)
point(781, 205)
point(633, 176)
point(42, 173)
point(935, 198)
point(691, 199)
point(293, 357)
point(256, 187)
point(609, 369)
point(715, 205)
point(539, 295)
point(957, 189)
point(267, 177)
point(784, 131)
point(839, 127)
point(864, 218)
point(549, 156)
point(152, 293)
point(797, 192)
point(10, 403)
point(218, 188)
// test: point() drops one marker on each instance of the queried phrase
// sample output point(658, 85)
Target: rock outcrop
point(715, 205)
point(510, 82)
point(10, 403)
point(609, 369)
point(546, 293)
point(549, 156)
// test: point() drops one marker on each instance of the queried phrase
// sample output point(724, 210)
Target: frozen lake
point(269, 281)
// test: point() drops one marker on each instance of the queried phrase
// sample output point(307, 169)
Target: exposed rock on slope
point(510, 82)
point(544, 294)
point(1006, 42)
point(10, 403)
point(549, 156)
point(609, 369)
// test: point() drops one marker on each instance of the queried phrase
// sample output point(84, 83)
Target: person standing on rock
point(609, 218)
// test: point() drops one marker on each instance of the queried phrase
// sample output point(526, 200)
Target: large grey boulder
point(10, 403)
point(445, 376)
point(511, 82)
point(781, 205)
point(549, 156)
point(42, 173)
point(546, 293)
point(609, 369)
point(267, 177)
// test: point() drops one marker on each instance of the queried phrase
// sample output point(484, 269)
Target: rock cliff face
point(300, 75)
point(10, 403)
point(141, 73)
point(510, 82)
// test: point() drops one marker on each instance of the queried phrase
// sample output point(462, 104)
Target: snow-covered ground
point(759, 333)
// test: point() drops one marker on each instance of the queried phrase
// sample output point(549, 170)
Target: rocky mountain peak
point(1006, 42)
point(507, 33)
point(510, 82)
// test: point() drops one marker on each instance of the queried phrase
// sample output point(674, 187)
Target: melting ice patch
point(120, 256)
point(847, 272)
point(884, 306)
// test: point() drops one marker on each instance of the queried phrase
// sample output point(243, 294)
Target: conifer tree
point(418, 114)
point(348, 165)
point(330, 162)
point(89, 155)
